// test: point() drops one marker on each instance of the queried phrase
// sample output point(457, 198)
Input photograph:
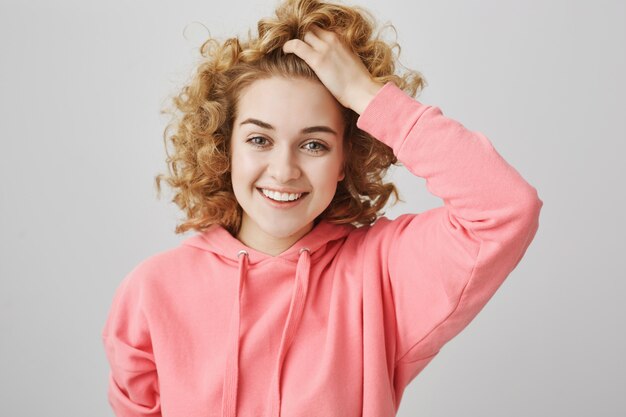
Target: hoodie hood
point(218, 240)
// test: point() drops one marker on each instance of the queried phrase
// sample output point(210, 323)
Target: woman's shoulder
point(158, 265)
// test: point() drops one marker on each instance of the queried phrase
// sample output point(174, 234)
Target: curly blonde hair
point(205, 109)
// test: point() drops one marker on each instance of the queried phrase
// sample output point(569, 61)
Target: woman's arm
point(133, 389)
point(442, 266)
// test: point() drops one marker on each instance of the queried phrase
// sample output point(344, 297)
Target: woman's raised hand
point(340, 70)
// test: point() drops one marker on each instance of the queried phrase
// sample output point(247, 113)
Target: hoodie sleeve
point(441, 267)
point(133, 389)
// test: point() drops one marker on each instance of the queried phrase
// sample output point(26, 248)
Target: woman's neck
point(251, 235)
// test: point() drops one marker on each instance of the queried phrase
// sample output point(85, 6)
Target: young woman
point(295, 297)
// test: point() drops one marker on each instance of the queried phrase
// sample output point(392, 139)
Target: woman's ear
point(342, 175)
point(346, 147)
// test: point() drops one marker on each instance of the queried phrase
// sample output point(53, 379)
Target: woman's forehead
point(295, 103)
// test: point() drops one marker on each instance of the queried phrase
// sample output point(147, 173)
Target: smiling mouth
point(282, 201)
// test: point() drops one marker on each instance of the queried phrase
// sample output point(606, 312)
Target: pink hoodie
point(342, 321)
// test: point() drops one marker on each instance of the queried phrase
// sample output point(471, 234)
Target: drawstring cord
point(229, 392)
point(296, 308)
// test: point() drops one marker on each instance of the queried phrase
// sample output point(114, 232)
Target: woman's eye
point(319, 147)
point(255, 142)
point(261, 142)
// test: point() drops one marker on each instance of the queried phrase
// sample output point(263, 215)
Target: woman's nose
point(283, 166)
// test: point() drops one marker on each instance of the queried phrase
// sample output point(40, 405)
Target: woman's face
point(287, 137)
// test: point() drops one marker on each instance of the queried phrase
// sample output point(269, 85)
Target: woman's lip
point(286, 192)
point(279, 204)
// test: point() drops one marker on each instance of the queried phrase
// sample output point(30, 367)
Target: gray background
point(82, 83)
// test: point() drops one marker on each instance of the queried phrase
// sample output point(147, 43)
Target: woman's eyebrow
point(268, 126)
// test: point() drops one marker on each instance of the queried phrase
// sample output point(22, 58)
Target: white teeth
point(281, 196)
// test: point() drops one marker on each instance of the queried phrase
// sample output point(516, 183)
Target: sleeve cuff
point(390, 116)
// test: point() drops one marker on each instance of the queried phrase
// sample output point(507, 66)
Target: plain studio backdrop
point(82, 85)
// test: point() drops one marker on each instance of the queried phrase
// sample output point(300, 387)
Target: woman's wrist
point(364, 95)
